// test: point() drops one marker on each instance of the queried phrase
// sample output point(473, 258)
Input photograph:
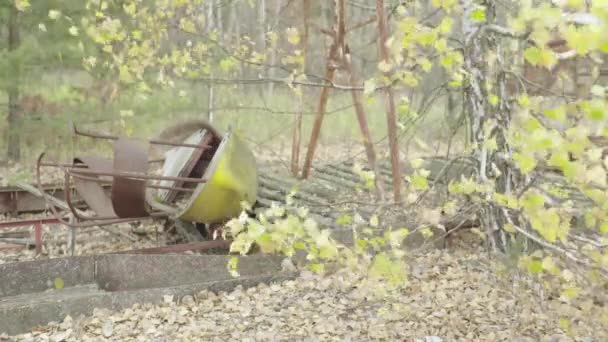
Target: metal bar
point(153, 141)
point(23, 223)
point(152, 186)
point(84, 166)
point(203, 245)
point(72, 237)
point(56, 213)
point(135, 175)
point(68, 196)
point(38, 237)
point(11, 247)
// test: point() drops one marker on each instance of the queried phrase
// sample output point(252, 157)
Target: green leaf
point(509, 228)
point(540, 57)
point(532, 201)
point(419, 182)
point(22, 5)
point(59, 284)
point(345, 220)
point(535, 266)
point(445, 26)
point(526, 163)
point(228, 64)
point(557, 113)
point(129, 8)
point(479, 14)
point(571, 292)
point(384, 267)
point(73, 30)
point(373, 221)
point(564, 323)
point(293, 37)
point(299, 245)
point(550, 266)
point(317, 268)
point(597, 110)
point(533, 55)
point(232, 266)
point(267, 245)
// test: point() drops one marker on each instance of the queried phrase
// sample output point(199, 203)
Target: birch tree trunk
point(487, 122)
point(13, 120)
point(297, 132)
point(210, 21)
point(237, 36)
point(262, 38)
point(219, 24)
point(273, 50)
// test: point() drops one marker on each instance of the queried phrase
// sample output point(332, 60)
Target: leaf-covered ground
point(455, 295)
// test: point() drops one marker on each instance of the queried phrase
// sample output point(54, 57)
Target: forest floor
point(456, 294)
point(451, 295)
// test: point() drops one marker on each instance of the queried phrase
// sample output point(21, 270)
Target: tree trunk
point(297, 133)
point(390, 104)
point(210, 117)
point(219, 24)
point(14, 148)
point(362, 119)
point(237, 34)
point(262, 38)
point(333, 58)
point(481, 115)
point(316, 128)
point(210, 21)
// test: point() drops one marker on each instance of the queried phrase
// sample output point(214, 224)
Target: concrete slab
point(128, 272)
point(117, 282)
point(39, 275)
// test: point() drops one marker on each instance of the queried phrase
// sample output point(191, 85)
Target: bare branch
point(262, 80)
point(369, 20)
point(547, 245)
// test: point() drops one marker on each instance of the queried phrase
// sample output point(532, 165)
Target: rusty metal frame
point(176, 248)
point(83, 172)
point(92, 221)
point(37, 223)
point(83, 133)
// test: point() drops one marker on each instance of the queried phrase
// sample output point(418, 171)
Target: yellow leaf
point(232, 266)
point(373, 221)
point(369, 86)
point(571, 292)
point(564, 323)
point(293, 36)
point(129, 8)
point(54, 14)
point(384, 66)
point(550, 266)
point(22, 5)
point(73, 30)
point(509, 228)
point(526, 163)
point(446, 25)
